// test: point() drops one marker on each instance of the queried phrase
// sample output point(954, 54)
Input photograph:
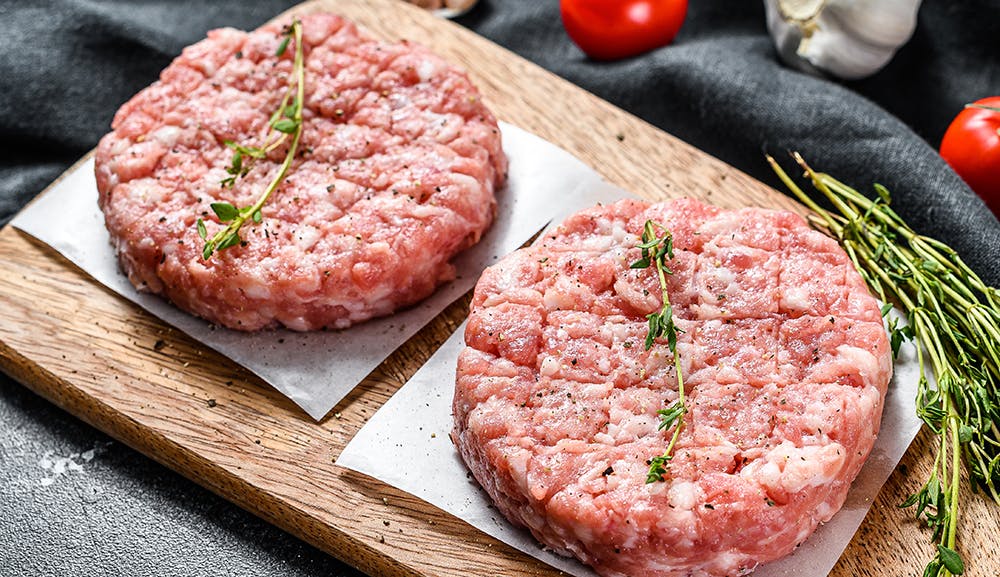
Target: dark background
point(66, 66)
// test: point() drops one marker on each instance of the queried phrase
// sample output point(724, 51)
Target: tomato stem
point(984, 107)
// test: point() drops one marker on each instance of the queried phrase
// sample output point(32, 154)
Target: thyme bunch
point(285, 123)
point(954, 317)
point(656, 251)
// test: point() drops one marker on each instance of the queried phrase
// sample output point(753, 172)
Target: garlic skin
point(850, 39)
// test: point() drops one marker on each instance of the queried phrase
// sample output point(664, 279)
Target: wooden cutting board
point(123, 371)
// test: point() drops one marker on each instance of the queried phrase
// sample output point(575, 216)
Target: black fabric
point(721, 88)
point(66, 66)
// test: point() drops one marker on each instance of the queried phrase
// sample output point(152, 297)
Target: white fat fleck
point(213, 177)
point(684, 494)
point(549, 367)
point(825, 511)
point(147, 191)
point(868, 401)
point(518, 461)
point(555, 299)
point(583, 532)
point(426, 70)
point(655, 488)
point(795, 298)
point(596, 243)
point(207, 67)
point(442, 127)
point(728, 374)
point(724, 561)
point(865, 362)
point(399, 100)
point(634, 427)
point(822, 465)
point(813, 418)
point(167, 136)
point(467, 184)
point(792, 469)
point(256, 290)
point(306, 237)
point(621, 235)
point(426, 212)
point(723, 276)
point(118, 147)
point(604, 439)
point(296, 323)
point(534, 520)
point(765, 472)
point(571, 446)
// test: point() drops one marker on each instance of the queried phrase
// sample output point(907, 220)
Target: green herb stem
point(285, 122)
point(680, 403)
point(656, 250)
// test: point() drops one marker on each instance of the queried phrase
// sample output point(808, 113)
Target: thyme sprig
point(285, 123)
point(656, 251)
point(954, 317)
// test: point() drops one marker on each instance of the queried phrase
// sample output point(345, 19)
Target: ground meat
point(395, 174)
point(785, 364)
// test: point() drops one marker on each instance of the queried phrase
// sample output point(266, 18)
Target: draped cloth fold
point(66, 66)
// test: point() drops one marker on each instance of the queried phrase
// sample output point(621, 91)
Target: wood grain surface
point(118, 368)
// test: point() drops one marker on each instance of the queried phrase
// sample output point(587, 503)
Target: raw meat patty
point(396, 173)
point(785, 363)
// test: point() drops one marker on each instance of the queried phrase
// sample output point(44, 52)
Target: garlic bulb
point(850, 39)
point(446, 8)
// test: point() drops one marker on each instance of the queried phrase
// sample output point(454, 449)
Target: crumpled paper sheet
point(316, 370)
point(413, 427)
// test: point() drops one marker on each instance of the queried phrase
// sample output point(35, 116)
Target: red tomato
point(972, 147)
point(612, 29)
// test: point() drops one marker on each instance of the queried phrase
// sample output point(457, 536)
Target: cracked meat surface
point(785, 363)
point(396, 173)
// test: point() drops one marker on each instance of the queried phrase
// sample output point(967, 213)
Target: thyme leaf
point(285, 124)
point(670, 414)
point(225, 211)
point(283, 46)
point(950, 560)
point(954, 319)
point(656, 250)
point(658, 468)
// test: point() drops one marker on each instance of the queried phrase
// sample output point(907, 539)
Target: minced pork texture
point(785, 363)
point(395, 173)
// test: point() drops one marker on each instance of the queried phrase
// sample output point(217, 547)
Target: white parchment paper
point(316, 370)
point(413, 427)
